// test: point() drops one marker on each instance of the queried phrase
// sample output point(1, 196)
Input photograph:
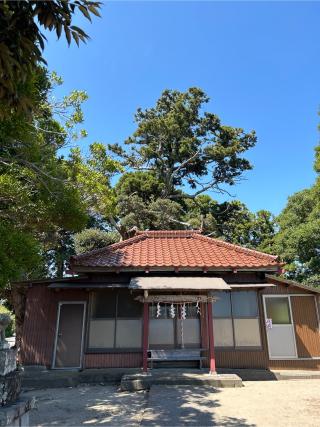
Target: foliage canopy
point(185, 148)
point(22, 43)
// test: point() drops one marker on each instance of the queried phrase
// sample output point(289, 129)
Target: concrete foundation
point(54, 378)
point(41, 378)
point(296, 375)
point(178, 377)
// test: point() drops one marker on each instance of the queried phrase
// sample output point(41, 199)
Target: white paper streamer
point(158, 310)
point(172, 311)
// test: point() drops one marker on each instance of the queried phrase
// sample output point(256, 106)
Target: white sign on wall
point(269, 323)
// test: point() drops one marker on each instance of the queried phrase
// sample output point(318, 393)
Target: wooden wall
point(307, 336)
point(41, 316)
point(306, 326)
point(40, 322)
point(39, 331)
point(113, 360)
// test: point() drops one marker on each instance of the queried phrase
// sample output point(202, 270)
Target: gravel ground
point(272, 403)
point(91, 405)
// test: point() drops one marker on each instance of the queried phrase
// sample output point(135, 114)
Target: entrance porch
point(177, 319)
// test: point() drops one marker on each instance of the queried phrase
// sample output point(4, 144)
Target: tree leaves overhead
point(43, 194)
point(19, 253)
point(184, 147)
point(298, 240)
point(231, 221)
point(139, 206)
point(56, 204)
point(22, 43)
point(176, 153)
point(94, 238)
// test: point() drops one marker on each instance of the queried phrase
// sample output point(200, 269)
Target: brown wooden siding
point(241, 359)
point(40, 323)
point(113, 360)
point(306, 326)
point(283, 289)
point(41, 316)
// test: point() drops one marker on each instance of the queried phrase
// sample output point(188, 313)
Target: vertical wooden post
point(145, 335)
point(211, 339)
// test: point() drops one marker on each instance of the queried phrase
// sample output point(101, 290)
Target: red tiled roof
point(175, 249)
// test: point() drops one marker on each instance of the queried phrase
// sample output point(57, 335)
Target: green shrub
point(10, 330)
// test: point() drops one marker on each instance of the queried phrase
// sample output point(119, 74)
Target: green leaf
point(59, 29)
point(68, 34)
point(75, 37)
point(85, 12)
point(94, 10)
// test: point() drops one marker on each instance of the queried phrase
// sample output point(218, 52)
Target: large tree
point(139, 204)
point(94, 238)
point(45, 196)
point(231, 221)
point(177, 152)
point(298, 240)
point(36, 197)
point(186, 148)
point(22, 43)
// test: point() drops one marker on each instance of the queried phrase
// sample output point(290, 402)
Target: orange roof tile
point(175, 249)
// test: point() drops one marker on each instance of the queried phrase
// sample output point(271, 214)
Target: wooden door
point(69, 335)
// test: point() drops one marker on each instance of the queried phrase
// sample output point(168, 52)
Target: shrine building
point(173, 299)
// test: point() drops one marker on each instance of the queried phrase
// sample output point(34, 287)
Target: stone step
point(159, 377)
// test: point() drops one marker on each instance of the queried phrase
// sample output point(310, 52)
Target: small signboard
point(269, 323)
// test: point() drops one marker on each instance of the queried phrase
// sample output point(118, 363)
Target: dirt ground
point(272, 403)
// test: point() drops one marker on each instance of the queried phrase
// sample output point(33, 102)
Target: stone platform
point(296, 375)
point(41, 378)
point(178, 377)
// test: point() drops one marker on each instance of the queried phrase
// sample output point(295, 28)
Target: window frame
point(288, 301)
point(234, 347)
point(244, 317)
point(114, 349)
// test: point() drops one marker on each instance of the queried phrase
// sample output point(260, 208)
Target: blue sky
point(258, 61)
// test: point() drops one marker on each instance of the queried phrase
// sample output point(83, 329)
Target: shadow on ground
point(258, 403)
point(105, 405)
point(87, 406)
point(184, 405)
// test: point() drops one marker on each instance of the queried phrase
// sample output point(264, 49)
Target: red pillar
point(211, 339)
point(145, 335)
